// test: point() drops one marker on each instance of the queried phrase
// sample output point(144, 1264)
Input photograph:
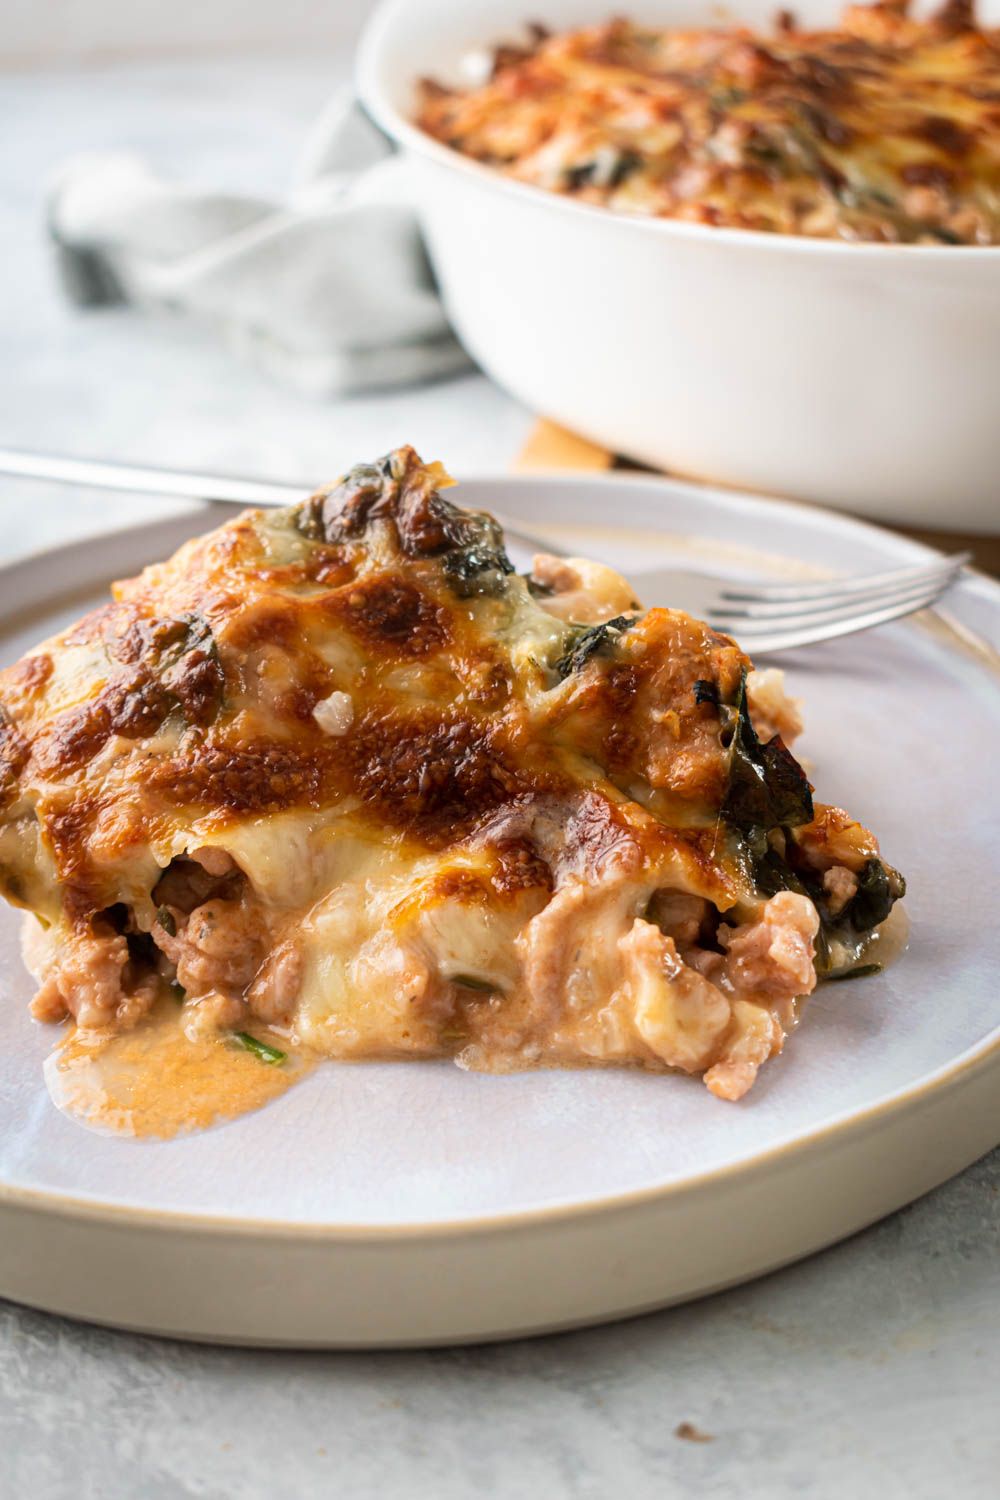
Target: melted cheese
point(517, 846)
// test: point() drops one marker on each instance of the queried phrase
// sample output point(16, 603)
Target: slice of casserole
point(338, 769)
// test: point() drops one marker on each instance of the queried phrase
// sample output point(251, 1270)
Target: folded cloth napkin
point(331, 291)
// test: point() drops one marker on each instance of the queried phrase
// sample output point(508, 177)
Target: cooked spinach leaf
point(725, 98)
point(470, 544)
point(878, 887)
point(580, 175)
point(706, 692)
point(343, 510)
point(603, 173)
point(627, 163)
point(772, 874)
point(767, 790)
point(474, 558)
point(591, 640)
point(162, 665)
point(165, 917)
point(767, 787)
point(477, 568)
point(262, 1050)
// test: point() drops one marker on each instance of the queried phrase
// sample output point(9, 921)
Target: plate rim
point(983, 1054)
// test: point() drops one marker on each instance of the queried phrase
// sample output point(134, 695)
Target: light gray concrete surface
point(870, 1370)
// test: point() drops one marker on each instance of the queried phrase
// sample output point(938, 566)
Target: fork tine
point(785, 639)
point(835, 603)
point(779, 592)
point(751, 626)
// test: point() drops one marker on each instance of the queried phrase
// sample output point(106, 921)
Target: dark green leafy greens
point(589, 641)
point(873, 900)
point(578, 176)
point(767, 787)
point(162, 666)
point(767, 797)
point(706, 692)
point(395, 489)
point(603, 173)
point(478, 564)
point(262, 1050)
point(185, 656)
point(165, 917)
point(843, 934)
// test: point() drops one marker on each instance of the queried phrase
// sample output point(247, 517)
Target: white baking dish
point(863, 376)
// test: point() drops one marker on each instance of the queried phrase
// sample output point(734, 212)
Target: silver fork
point(765, 617)
point(770, 617)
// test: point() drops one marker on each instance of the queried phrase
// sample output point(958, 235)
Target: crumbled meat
point(755, 1036)
point(840, 886)
point(216, 949)
point(275, 989)
point(835, 838)
point(678, 1013)
point(680, 915)
point(189, 882)
point(772, 958)
point(573, 588)
point(213, 1012)
point(92, 980)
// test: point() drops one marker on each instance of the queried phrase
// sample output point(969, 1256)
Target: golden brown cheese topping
point(886, 128)
point(338, 772)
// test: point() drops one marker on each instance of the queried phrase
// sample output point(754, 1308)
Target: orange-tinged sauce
point(156, 1082)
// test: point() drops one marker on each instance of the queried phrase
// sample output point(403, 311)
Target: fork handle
point(139, 477)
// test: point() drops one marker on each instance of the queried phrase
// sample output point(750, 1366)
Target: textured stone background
point(870, 1370)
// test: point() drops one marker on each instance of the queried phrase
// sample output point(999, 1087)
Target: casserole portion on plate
point(339, 771)
point(884, 128)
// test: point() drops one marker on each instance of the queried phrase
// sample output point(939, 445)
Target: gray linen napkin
point(331, 291)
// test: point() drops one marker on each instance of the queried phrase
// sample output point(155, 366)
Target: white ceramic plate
point(412, 1203)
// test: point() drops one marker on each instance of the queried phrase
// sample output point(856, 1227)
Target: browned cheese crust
point(341, 769)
